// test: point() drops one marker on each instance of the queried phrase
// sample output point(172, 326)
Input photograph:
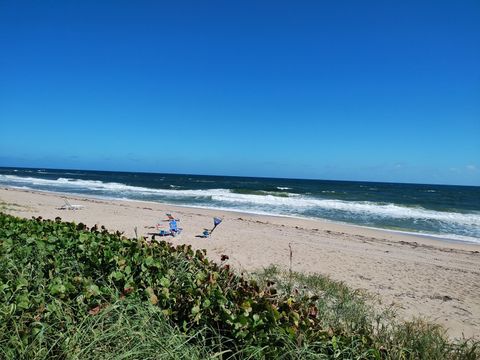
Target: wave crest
point(272, 202)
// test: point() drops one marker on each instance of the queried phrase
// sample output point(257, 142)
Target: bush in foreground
point(59, 280)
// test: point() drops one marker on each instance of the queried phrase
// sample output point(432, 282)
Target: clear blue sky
point(355, 90)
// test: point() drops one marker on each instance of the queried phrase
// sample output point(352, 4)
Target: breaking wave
point(377, 214)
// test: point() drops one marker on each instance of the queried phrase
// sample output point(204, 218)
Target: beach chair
point(68, 206)
point(205, 234)
point(174, 229)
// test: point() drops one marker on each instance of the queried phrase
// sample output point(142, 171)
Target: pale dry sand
point(421, 277)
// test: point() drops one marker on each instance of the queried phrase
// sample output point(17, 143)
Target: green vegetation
point(351, 312)
point(69, 292)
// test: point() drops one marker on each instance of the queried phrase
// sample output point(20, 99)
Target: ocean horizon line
point(234, 176)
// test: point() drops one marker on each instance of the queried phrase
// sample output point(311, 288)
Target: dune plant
point(69, 291)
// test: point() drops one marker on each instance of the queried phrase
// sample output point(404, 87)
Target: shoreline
point(418, 276)
point(426, 236)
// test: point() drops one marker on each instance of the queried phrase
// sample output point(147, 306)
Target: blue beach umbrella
point(216, 221)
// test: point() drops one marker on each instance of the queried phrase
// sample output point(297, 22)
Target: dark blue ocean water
point(451, 212)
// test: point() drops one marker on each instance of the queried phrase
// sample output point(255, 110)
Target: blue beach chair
point(174, 229)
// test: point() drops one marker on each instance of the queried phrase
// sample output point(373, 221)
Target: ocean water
point(449, 212)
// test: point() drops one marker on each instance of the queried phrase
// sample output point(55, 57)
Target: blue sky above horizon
point(370, 91)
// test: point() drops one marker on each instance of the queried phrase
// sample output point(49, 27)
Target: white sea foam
point(370, 208)
point(283, 188)
point(96, 185)
point(294, 204)
point(450, 237)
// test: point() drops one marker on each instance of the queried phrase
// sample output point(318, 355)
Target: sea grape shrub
point(46, 264)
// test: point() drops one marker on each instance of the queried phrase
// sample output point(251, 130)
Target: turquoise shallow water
point(451, 212)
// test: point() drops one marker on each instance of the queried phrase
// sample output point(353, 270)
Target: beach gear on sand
point(206, 232)
point(216, 222)
point(174, 229)
point(68, 206)
point(161, 233)
point(170, 217)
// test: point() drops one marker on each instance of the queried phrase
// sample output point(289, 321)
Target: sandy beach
point(421, 277)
